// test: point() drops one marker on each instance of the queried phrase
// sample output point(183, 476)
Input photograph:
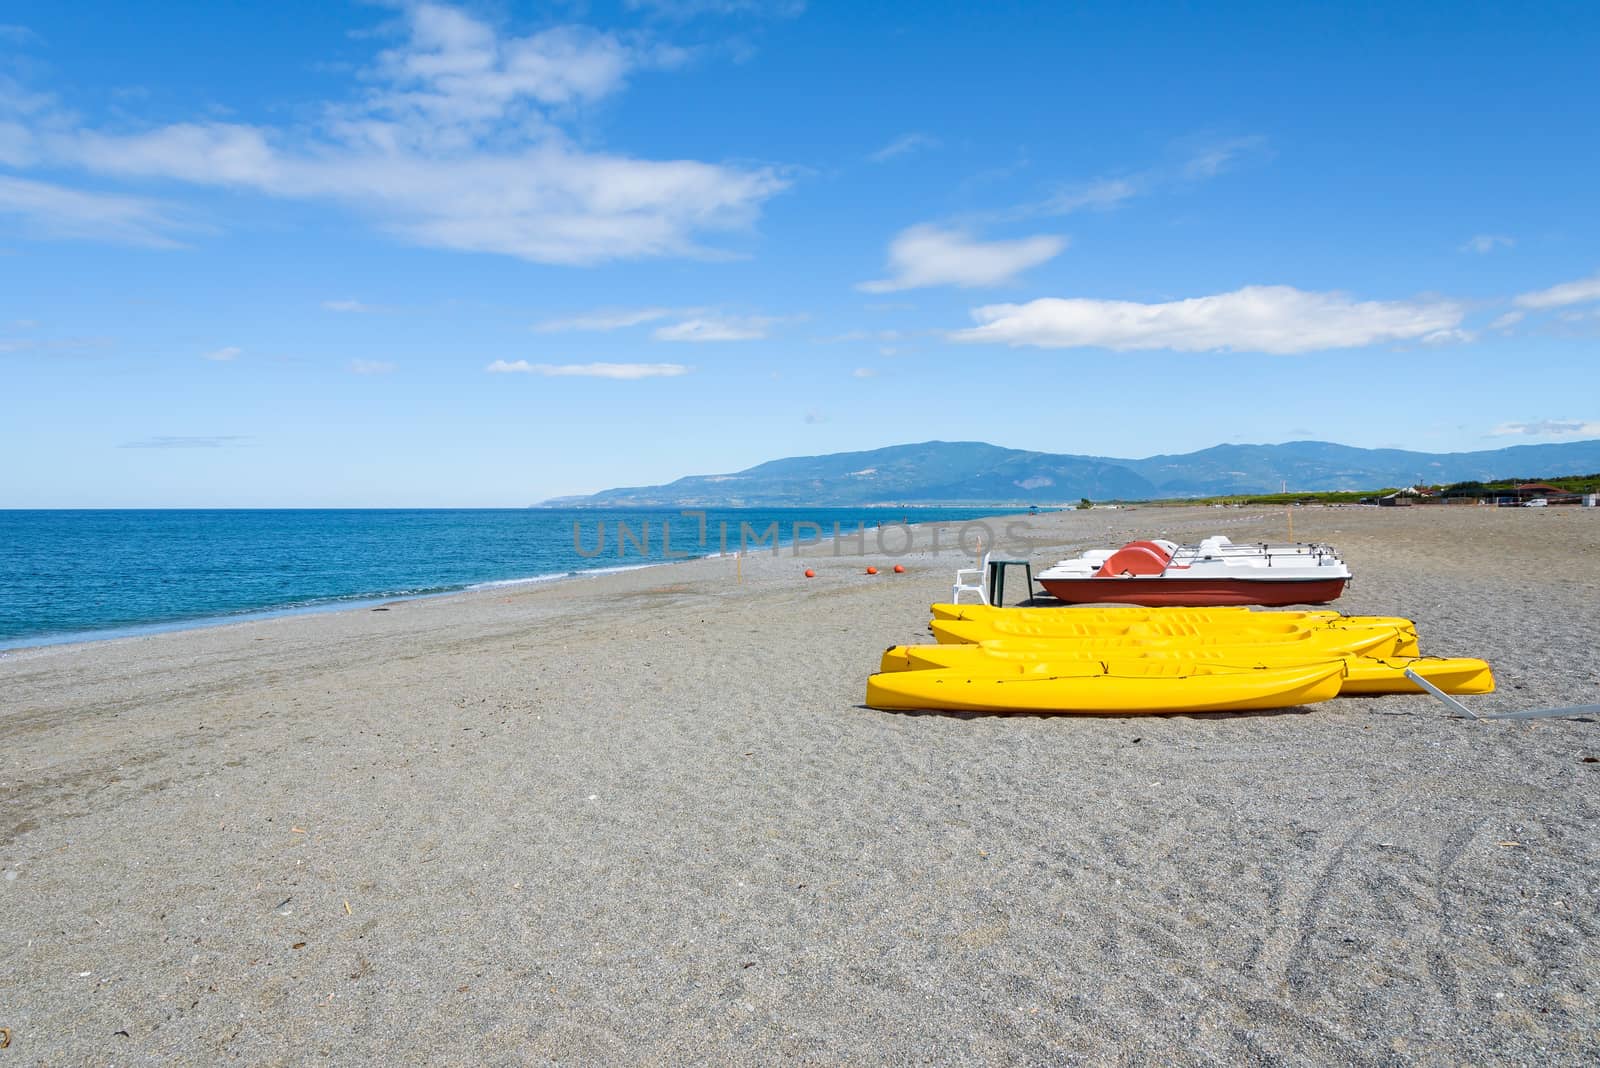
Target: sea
point(83, 575)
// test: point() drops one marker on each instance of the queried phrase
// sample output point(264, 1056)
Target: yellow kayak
point(1383, 674)
point(1072, 625)
point(1134, 687)
point(1348, 639)
point(1363, 674)
point(1225, 616)
point(1136, 614)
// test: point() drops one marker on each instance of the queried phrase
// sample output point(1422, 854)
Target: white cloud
point(1579, 292)
point(903, 144)
point(928, 255)
point(589, 370)
point(604, 319)
point(694, 324)
point(458, 144)
point(1102, 194)
point(687, 9)
point(371, 367)
point(1486, 243)
point(1453, 336)
point(1212, 159)
point(860, 335)
point(226, 354)
point(1273, 319)
point(352, 307)
point(218, 441)
point(715, 328)
point(455, 73)
point(1550, 428)
point(863, 372)
point(51, 345)
point(56, 211)
point(1508, 320)
point(1105, 193)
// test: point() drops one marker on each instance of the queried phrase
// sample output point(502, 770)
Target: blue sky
point(481, 254)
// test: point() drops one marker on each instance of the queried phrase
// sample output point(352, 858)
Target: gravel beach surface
point(642, 818)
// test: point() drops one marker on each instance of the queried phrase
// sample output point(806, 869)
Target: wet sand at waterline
point(642, 818)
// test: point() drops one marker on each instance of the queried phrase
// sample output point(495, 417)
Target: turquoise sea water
point(72, 575)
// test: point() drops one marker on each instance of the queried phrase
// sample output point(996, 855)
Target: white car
point(1537, 502)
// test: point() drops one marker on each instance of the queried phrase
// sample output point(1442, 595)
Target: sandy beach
point(642, 818)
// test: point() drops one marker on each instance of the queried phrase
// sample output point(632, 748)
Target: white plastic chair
point(978, 588)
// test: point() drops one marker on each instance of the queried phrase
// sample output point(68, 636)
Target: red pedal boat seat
point(1135, 558)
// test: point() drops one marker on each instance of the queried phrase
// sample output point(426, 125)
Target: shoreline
point(355, 602)
point(254, 615)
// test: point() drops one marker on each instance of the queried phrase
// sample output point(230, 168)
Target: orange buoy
point(872, 571)
point(899, 569)
point(810, 573)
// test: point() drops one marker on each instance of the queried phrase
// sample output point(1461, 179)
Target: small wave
point(527, 581)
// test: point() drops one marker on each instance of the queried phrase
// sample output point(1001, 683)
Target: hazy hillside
point(950, 472)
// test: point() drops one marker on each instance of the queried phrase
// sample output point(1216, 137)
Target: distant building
point(1539, 489)
point(1400, 498)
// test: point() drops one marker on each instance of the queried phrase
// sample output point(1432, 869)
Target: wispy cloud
point(860, 335)
point(53, 345)
point(1271, 319)
point(693, 324)
point(350, 307)
point(688, 9)
point(50, 210)
point(589, 370)
point(224, 355)
point(928, 255)
point(456, 143)
point(863, 372)
point(904, 145)
point(1483, 244)
point(1550, 428)
point(218, 441)
point(371, 367)
point(605, 319)
point(1507, 321)
point(1199, 164)
point(1210, 160)
point(1102, 194)
point(1559, 296)
point(716, 328)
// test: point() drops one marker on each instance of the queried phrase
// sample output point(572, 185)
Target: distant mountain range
point(972, 472)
